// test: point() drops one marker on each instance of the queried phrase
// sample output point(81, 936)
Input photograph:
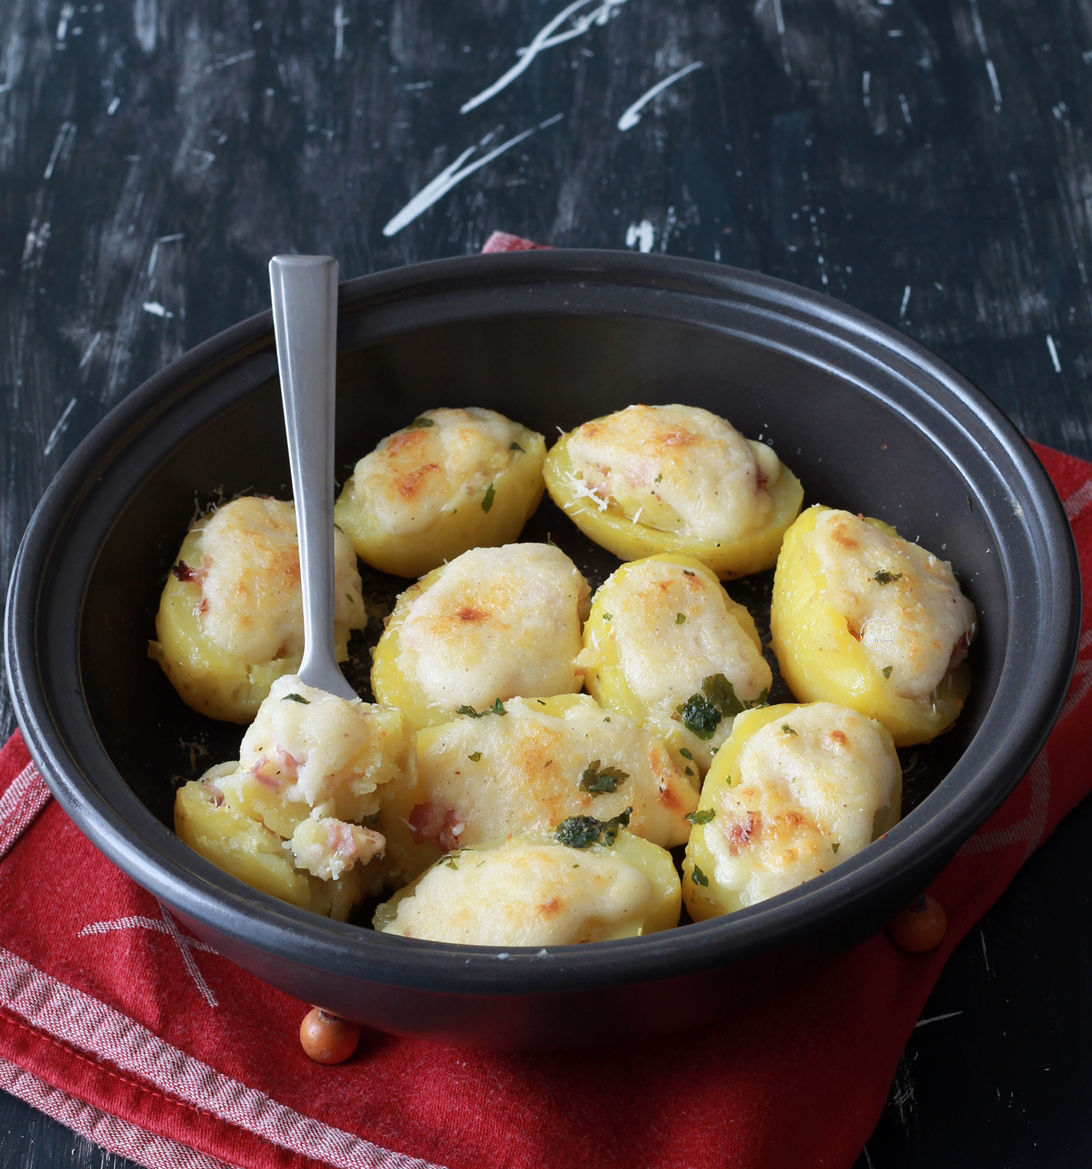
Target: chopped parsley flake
point(451, 862)
point(885, 577)
point(296, 698)
point(487, 501)
point(687, 572)
point(697, 876)
point(887, 671)
point(685, 753)
point(582, 831)
point(421, 424)
point(475, 757)
point(689, 771)
point(835, 845)
point(658, 477)
point(598, 779)
point(516, 447)
point(608, 616)
point(702, 816)
point(680, 618)
point(702, 713)
point(786, 729)
point(496, 708)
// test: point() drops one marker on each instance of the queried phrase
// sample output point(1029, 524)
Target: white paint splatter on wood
point(546, 38)
point(452, 175)
point(340, 21)
point(59, 429)
point(633, 115)
point(67, 12)
point(642, 234)
point(1053, 354)
point(937, 1018)
point(146, 23)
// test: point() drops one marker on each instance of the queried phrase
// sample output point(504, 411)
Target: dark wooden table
point(928, 162)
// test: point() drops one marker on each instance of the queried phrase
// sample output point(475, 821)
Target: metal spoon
point(305, 325)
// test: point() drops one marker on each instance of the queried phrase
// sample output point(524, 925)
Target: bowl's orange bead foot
point(326, 1038)
point(920, 927)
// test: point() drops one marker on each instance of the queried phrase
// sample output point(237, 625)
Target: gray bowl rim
point(912, 852)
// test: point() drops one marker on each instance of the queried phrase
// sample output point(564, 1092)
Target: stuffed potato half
point(539, 892)
point(866, 619)
point(674, 479)
point(492, 624)
point(796, 790)
point(230, 619)
point(659, 630)
point(450, 481)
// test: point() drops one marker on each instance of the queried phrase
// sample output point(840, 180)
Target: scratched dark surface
point(927, 162)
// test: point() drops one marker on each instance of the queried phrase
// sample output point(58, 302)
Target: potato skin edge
point(800, 622)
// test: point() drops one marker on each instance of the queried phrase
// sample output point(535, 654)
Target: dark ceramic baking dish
point(867, 419)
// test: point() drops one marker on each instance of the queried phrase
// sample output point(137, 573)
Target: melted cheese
point(498, 622)
point(250, 579)
point(506, 775)
point(522, 894)
point(671, 626)
point(677, 469)
point(421, 472)
point(902, 603)
point(330, 755)
point(808, 793)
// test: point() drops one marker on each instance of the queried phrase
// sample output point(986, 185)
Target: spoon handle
point(305, 326)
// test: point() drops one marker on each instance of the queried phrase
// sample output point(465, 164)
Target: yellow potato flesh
point(605, 679)
point(711, 900)
point(496, 518)
point(209, 679)
point(821, 660)
point(244, 848)
point(611, 529)
point(660, 912)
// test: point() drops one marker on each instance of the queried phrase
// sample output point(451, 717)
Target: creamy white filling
point(506, 775)
point(672, 629)
point(498, 622)
point(680, 468)
point(332, 754)
point(806, 798)
point(523, 895)
point(250, 579)
point(418, 473)
point(902, 603)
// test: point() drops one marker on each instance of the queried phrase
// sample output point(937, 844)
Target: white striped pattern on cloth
point(26, 796)
point(85, 1023)
point(1079, 500)
point(102, 1129)
point(1027, 830)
